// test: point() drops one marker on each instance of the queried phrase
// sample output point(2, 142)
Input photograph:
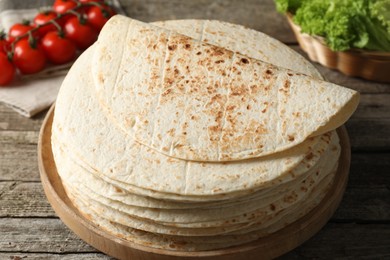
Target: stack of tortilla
point(195, 135)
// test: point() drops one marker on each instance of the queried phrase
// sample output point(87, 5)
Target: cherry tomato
point(86, 8)
point(7, 70)
point(58, 49)
point(4, 44)
point(98, 16)
point(45, 17)
point(17, 30)
point(27, 58)
point(88, 1)
point(61, 6)
point(83, 35)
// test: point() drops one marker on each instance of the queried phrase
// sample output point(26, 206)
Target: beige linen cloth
point(30, 94)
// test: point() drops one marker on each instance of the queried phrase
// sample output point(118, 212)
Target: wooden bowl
point(265, 248)
point(371, 65)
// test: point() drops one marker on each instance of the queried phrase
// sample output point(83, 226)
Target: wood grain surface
point(360, 228)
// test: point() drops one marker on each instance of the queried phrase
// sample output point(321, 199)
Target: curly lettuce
point(344, 24)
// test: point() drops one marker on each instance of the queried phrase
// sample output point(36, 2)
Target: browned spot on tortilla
point(269, 72)
point(215, 128)
point(244, 60)
point(230, 107)
point(187, 46)
point(101, 77)
point(219, 61)
point(199, 53)
point(172, 47)
point(291, 138)
point(216, 51)
point(217, 189)
point(119, 190)
point(166, 92)
point(171, 131)
point(290, 74)
point(248, 107)
point(309, 156)
point(287, 84)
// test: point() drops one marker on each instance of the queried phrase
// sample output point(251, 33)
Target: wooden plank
point(369, 169)
point(18, 162)
point(349, 241)
point(19, 137)
point(364, 204)
point(369, 134)
point(16, 200)
point(39, 235)
point(10, 120)
point(40, 256)
point(373, 106)
point(255, 14)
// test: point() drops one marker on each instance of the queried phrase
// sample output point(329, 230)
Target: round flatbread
point(196, 101)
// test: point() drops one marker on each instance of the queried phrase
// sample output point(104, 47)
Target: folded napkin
point(28, 95)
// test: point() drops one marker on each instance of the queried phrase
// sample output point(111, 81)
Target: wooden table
point(359, 228)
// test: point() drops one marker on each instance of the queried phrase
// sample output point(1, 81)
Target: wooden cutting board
point(265, 248)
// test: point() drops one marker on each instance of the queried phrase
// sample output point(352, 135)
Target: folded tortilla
point(195, 101)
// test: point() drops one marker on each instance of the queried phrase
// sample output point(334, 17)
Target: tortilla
point(196, 101)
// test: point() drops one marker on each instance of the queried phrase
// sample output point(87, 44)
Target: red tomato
point(86, 8)
point(28, 59)
point(88, 1)
point(83, 35)
point(61, 6)
point(45, 17)
point(17, 30)
point(4, 45)
point(98, 16)
point(58, 50)
point(7, 70)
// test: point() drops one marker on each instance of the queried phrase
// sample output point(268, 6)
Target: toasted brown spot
point(310, 156)
point(215, 128)
point(269, 72)
point(287, 84)
point(219, 61)
point(199, 53)
point(244, 60)
point(187, 46)
point(118, 189)
point(230, 108)
point(291, 138)
point(101, 78)
point(166, 92)
point(172, 47)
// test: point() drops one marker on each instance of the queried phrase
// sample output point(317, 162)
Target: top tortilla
point(196, 101)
